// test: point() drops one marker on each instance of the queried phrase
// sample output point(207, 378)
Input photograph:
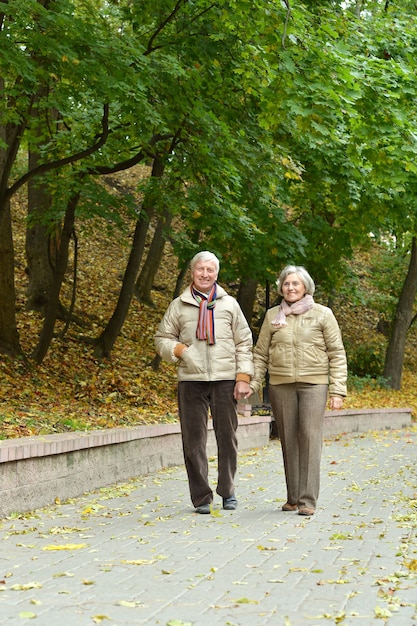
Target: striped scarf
point(205, 325)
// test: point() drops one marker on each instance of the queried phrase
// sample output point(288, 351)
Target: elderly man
point(206, 333)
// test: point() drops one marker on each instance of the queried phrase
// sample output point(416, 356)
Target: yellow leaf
point(129, 604)
point(246, 601)
point(26, 587)
point(138, 561)
point(383, 613)
point(214, 512)
point(68, 546)
point(339, 618)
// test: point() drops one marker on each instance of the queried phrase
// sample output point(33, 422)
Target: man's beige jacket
point(230, 358)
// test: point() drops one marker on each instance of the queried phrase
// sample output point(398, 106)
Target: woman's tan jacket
point(309, 349)
point(230, 358)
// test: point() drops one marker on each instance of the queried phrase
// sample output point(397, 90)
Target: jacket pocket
point(280, 357)
point(192, 361)
point(313, 360)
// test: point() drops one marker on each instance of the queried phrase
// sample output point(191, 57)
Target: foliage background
point(71, 390)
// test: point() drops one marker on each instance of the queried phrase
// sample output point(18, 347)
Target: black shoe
point(204, 509)
point(230, 504)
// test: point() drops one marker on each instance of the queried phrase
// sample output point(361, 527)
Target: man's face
point(204, 275)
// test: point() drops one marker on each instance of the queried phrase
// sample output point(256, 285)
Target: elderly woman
point(300, 345)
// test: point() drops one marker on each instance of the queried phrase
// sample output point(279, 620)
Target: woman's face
point(293, 288)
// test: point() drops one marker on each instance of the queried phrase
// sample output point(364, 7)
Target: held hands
point(336, 402)
point(242, 390)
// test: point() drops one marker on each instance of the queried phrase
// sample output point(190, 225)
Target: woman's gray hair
point(205, 256)
point(301, 273)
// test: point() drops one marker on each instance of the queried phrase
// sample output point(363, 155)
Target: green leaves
point(283, 134)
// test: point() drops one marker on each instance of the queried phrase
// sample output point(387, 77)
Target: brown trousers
point(195, 399)
point(298, 409)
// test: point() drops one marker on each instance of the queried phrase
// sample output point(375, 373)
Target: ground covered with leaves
point(72, 390)
point(137, 553)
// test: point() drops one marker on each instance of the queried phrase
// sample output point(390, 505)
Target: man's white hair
point(205, 255)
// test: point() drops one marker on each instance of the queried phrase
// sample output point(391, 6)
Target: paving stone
point(137, 553)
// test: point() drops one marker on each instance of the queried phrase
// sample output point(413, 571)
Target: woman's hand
point(336, 402)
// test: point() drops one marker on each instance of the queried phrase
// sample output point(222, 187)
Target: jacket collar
point(187, 296)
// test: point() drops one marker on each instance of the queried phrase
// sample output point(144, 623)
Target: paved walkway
point(138, 554)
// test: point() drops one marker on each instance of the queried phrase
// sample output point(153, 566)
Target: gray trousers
point(195, 399)
point(298, 409)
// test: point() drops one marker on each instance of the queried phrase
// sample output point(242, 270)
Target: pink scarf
point(299, 307)
point(205, 324)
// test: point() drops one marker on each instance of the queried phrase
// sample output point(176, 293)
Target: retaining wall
point(35, 471)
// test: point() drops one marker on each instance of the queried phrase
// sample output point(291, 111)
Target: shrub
point(367, 360)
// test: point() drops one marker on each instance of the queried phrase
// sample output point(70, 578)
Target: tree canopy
point(274, 132)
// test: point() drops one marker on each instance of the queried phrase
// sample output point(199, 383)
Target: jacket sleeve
point(261, 355)
point(336, 355)
point(168, 333)
point(244, 346)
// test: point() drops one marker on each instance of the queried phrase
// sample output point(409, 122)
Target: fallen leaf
point(26, 586)
point(97, 619)
point(68, 546)
point(129, 604)
point(382, 613)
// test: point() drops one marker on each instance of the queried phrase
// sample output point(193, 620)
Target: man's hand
point(242, 390)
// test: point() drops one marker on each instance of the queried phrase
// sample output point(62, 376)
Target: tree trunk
point(41, 240)
point(52, 307)
point(394, 357)
point(41, 248)
point(105, 342)
point(9, 336)
point(149, 269)
point(246, 296)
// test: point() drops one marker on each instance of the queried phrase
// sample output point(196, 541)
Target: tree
point(64, 66)
point(32, 76)
point(105, 341)
point(149, 269)
point(403, 317)
point(286, 120)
